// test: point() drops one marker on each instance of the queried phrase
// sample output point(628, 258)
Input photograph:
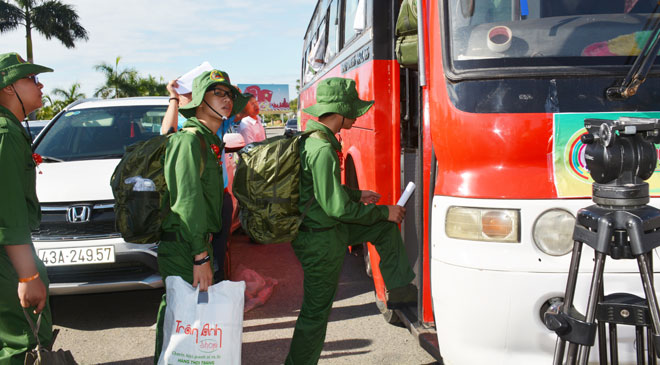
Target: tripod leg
point(568, 297)
point(602, 343)
point(602, 337)
point(651, 299)
point(649, 333)
point(639, 341)
point(650, 347)
point(594, 291)
point(614, 343)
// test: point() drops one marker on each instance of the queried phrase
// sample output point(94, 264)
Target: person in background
point(172, 121)
point(339, 217)
point(23, 277)
point(251, 128)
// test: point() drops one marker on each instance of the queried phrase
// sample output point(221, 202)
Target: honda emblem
point(78, 214)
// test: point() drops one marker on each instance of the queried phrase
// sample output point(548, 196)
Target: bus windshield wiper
point(640, 68)
point(51, 159)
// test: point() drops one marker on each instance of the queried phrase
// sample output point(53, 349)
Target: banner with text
point(272, 98)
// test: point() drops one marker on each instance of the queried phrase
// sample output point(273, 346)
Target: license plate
point(77, 255)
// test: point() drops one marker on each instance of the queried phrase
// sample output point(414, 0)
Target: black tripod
point(620, 225)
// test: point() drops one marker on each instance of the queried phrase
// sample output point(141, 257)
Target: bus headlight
point(479, 224)
point(553, 232)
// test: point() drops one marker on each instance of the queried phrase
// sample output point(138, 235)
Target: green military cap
point(14, 68)
point(240, 103)
point(338, 95)
point(202, 83)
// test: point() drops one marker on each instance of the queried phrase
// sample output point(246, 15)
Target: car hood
point(75, 181)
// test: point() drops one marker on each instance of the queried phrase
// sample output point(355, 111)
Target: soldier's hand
point(395, 213)
point(33, 294)
point(202, 274)
point(369, 197)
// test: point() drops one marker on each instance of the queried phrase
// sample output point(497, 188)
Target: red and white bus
point(488, 129)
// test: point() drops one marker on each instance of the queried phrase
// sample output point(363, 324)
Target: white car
point(77, 239)
point(34, 127)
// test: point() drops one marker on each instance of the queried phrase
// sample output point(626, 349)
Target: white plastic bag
point(203, 333)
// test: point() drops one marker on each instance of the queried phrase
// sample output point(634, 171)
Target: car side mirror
point(233, 142)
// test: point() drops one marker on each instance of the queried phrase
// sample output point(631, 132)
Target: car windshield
point(34, 130)
point(99, 133)
point(538, 33)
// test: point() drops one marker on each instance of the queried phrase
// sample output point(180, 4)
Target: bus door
point(411, 171)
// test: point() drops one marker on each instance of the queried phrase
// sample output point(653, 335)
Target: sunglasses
point(33, 78)
point(222, 93)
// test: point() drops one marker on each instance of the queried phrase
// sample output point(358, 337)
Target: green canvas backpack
point(406, 34)
point(266, 185)
point(138, 185)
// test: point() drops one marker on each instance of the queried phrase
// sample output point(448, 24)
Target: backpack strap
point(304, 212)
point(202, 143)
point(318, 134)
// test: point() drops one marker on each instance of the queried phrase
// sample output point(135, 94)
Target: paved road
point(118, 328)
point(274, 131)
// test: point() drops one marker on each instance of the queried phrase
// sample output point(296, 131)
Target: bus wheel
point(367, 260)
point(389, 315)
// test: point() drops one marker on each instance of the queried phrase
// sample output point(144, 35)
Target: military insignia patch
point(218, 76)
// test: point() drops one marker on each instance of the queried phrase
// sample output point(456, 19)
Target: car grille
point(91, 220)
point(115, 272)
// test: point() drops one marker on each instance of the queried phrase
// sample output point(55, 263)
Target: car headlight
point(553, 232)
point(480, 224)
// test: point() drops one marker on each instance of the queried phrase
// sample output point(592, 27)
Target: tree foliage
point(70, 95)
point(121, 83)
point(51, 18)
point(53, 106)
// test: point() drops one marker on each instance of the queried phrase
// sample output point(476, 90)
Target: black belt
point(309, 229)
point(173, 236)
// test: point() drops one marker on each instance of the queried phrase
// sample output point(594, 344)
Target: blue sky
point(255, 41)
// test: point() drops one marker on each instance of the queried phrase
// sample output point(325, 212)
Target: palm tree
point(117, 84)
point(51, 18)
point(50, 108)
point(150, 86)
point(70, 95)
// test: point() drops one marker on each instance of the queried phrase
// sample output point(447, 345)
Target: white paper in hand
point(406, 194)
point(185, 82)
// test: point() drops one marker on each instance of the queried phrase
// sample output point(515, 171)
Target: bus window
point(317, 52)
point(333, 31)
point(505, 33)
point(350, 10)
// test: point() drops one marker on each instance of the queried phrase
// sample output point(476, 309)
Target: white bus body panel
point(487, 296)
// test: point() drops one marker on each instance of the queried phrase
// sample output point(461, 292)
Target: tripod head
point(621, 155)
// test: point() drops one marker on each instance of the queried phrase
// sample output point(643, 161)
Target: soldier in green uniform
point(21, 271)
point(195, 202)
point(339, 217)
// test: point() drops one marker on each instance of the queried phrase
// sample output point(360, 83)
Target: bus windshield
point(537, 33)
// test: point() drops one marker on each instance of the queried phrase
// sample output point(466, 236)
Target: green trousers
point(16, 336)
point(322, 255)
point(174, 259)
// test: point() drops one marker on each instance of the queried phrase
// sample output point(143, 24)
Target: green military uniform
point(19, 214)
point(334, 220)
point(195, 202)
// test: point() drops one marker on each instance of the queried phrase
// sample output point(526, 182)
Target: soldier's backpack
point(138, 185)
point(266, 186)
point(406, 34)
